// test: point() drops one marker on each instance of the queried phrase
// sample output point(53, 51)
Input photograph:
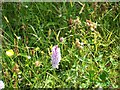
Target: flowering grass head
point(56, 56)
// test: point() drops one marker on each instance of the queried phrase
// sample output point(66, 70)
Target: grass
point(32, 29)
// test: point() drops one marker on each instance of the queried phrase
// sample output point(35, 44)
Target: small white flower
point(26, 6)
point(1, 85)
point(92, 29)
point(29, 57)
point(60, 15)
point(19, 76)
point(82, 43)
point(19, 37)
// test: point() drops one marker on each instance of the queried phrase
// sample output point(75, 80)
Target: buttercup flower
point(56, 56)
point(1, 85)
point(9, 53)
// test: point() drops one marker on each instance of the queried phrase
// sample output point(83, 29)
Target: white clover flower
point(1, 85)
point(56, 56)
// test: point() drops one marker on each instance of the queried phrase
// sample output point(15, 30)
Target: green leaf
point(103, 75)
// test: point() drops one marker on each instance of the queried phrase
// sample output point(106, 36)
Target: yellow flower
point(37, 48)
point(42, 52)
point(9, 53)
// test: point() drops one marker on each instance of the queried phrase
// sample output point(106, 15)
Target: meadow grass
point(90, 49)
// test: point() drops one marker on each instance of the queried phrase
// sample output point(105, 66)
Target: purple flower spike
point(56, 56)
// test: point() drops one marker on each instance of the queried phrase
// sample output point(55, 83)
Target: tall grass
point(90, 58)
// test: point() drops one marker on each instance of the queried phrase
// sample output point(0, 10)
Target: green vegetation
point(90, 50)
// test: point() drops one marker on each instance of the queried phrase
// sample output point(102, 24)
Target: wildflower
point(19, 37)
point(42, 52)
point(82, 43)
point(19, 76)
point(26, 6)
point(1, 85)
point(9, 53)
point(61, 39)
point(56, 56)
point(60, 15)
point(28, 57)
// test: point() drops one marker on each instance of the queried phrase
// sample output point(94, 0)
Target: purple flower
point(1, 85)
point(56, 56)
